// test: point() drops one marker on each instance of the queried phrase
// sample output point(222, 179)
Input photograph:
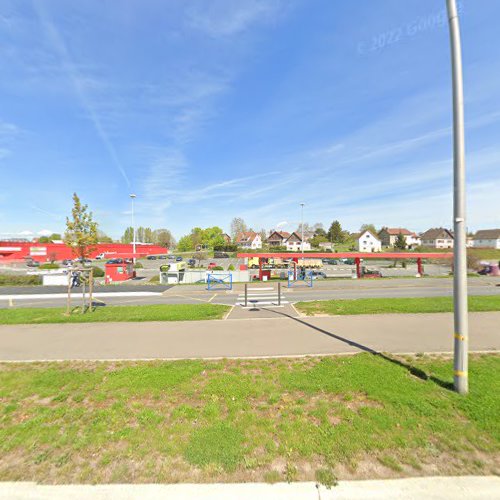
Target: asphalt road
point(195, 294)
point(279, 336)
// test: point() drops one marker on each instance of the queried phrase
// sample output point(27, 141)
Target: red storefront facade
point(46, 252)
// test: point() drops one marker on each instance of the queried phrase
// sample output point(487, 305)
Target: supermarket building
point(46, 252)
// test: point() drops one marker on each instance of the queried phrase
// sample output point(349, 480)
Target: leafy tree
point(212, 237)
point(139, 234)
point(55, 236)
point(81, 230)
point(128, 235)
point(238, 226)
point(164, 238)
point(185, 244)
point(44, 239)
point(102, 237)
point(148, 235)
point(317, 239)
point(368, 227)
point(335, 233)
point(400, 242)
point(319, 231)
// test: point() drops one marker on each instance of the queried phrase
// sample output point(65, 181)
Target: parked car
point(84, 261)
point(115, 261)
point(318, 275)
point(221, 255)
point(370, 273)
point(32, 263)
point(151, 257)
point(100, 256)
point(332, 262)
point(67, 262)
point(349, 262)
point(178, 259)
point(162, 257)
point(212, 265)
point(171, 257)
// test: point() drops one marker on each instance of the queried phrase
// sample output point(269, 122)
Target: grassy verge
point(247, 420)
point(169, 312)
point(477, 303)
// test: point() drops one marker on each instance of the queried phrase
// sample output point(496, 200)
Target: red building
point(46, 252)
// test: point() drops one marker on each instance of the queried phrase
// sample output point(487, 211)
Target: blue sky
point(211, 109)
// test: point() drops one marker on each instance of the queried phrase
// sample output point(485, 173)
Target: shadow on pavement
point(416, 372)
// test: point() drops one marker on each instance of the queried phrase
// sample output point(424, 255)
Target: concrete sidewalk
point(429, 488)
point(279, 336)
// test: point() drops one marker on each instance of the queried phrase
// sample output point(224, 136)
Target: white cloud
point(80, 84)
point(222, 18)
point(45, 232)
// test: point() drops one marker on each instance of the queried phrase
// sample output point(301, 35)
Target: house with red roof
point(389, 235)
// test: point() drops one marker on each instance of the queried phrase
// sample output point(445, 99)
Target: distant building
point(368, 242)
point(326, 245)
point(227, 238)
point(437, 237)
point(389, 235)
point(294, 243)
point(487, 238)
point(249, 239)
point(277, 238)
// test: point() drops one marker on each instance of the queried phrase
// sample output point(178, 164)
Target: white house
point(487, 238)
point(437, 237)
point(368, 242)
point(249, 239)
point(293, 243)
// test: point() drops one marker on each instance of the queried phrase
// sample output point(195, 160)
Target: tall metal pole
point(133, 196)
point(460, 362)
point(302, 230)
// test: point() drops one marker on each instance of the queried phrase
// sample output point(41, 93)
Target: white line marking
point(43, 296)
point(259, 303)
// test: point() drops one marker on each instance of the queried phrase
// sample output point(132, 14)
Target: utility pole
point(133, 196)
point(460, 360)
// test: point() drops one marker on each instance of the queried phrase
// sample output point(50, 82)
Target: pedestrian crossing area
point(261, 296)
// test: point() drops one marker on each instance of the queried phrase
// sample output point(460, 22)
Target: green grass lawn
point(247, 420)
point(396, 305)
point(168, 312)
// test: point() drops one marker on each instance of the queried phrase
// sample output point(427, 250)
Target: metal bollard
point(246, 295)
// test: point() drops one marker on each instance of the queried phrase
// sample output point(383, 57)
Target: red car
point(212, 265)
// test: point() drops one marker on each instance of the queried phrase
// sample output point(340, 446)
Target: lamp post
point(461, 332)
point(302, 231)
point(133, 196)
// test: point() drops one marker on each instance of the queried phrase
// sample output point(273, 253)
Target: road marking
point(212, 297)
point(45, 296)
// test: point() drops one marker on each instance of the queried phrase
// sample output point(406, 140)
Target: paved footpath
point(278, 336)
point(429, 488)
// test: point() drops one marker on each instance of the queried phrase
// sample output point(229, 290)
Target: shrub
point(49, 265)
point(218, 268)
point(98, 272)
point(138, 265)
point(16, 280)
point(230, 267)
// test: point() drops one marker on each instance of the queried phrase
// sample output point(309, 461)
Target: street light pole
point(133, 196)
point(460, 361)
point(302, 230)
